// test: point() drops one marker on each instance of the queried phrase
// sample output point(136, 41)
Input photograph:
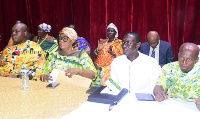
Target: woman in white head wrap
point(107, 50)
point(72, 61)
point(48, 43)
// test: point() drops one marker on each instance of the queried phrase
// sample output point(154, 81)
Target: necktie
point(153, 53)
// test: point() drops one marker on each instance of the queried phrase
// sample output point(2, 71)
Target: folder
point(144, 97)
point(99, 97)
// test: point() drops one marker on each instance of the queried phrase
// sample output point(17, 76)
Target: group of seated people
point(140, 67)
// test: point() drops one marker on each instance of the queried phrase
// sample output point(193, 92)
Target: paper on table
point(54, 74)
point(114, 86)
point(107, 90)
point(76, 80)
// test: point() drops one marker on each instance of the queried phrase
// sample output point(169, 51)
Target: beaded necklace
point(43, 40)
point(105, 49)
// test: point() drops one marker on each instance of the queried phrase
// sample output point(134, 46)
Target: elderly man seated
point(23, 53)
point(180, 79)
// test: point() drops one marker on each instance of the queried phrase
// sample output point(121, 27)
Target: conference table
point(38, 101)
point(130, 108)
point(70, 102)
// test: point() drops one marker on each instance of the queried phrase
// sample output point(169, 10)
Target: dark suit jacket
point(166, 54)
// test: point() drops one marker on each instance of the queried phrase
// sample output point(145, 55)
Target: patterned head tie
point(70, 32)
point(111, 25)
point(45, 27)
point(82, 43)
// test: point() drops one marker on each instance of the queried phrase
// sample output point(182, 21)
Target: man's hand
point(159, 94)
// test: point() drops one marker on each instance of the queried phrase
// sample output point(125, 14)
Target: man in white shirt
point(133, 70)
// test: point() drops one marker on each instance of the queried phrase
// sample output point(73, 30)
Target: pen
point(112, 105)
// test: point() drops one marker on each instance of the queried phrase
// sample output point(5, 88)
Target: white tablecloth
point(129, 108)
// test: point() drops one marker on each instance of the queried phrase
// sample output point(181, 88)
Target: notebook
point(144, 97)
point(106, 98)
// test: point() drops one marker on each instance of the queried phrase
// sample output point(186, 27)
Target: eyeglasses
point(65, 38)
point(128, 43)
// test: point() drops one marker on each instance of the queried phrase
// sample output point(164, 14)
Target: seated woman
point(72, 61)
point(107, 50)
point(48, 43)
point(80, 43)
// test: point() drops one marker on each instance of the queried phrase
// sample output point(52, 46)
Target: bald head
point(188, 56)
point(153, 38)
point(191, 47)
point(22, 26)
point(19, 33)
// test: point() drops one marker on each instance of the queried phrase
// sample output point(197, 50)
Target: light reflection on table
point(38, 101)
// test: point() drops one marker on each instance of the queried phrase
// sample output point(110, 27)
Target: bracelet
point(96, 52)
point(81, 72)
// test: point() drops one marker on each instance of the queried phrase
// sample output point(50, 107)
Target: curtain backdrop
point(176, 21)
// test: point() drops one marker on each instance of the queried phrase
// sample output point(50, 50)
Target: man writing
point(160, 50)
point(180, 79)
point(23, 53)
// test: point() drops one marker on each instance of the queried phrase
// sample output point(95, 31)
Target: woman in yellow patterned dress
point(68, 59)
point(107, 50)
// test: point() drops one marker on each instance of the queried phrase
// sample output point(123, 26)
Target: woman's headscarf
point(82, 43)
point(111, 25)
point(70, 32)
point(45, 27)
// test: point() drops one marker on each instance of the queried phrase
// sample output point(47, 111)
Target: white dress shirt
point(138, 76)
point(156, 51)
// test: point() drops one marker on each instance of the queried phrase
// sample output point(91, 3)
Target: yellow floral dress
point(179, 84)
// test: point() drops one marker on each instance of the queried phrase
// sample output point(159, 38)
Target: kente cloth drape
point(176, 21)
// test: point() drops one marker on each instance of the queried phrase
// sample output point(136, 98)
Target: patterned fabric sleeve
point(49, 46)
point(55, 46)
point(39, 65)
point(117, 48)
point(35, 60)
point(48, 65)
point(164, 80)
point(87, 63)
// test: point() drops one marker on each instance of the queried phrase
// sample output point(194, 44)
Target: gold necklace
point(43, 40)
point(105, 49)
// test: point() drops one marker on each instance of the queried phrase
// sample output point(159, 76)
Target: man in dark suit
point(160, 50)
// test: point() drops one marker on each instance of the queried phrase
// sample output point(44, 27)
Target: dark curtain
point(176, 21)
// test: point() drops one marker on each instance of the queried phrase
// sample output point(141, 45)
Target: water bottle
point(25, 78)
